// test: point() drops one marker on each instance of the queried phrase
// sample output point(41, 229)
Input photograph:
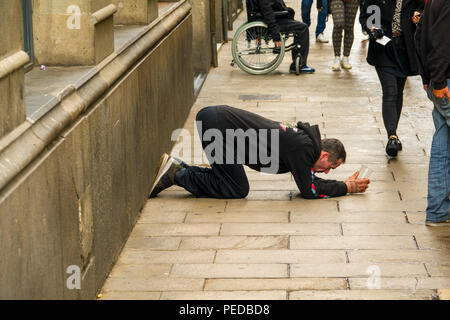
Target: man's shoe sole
point(162, 167)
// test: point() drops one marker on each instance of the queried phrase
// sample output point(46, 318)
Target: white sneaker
point(345, 63)
point(336, 64)
point(321, 38)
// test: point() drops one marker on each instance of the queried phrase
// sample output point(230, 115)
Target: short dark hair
point(335, 148)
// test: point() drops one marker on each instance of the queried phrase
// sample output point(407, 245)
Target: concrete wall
point(12, 59)
point(69, 32)
point(135, 12)
point(202, 35)
point(76, 203)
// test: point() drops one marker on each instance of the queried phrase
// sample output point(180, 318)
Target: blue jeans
point(438, 208)
point(306, 15)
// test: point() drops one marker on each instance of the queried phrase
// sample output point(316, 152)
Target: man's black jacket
point(299, 147)
point(379, 55)
point(267, 8)
point(433, 43)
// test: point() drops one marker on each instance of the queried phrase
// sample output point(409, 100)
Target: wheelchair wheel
point(298, 63)
point(254, 50)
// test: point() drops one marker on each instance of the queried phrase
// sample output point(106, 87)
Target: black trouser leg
point(223, 181)
point(392, 87)
point(301, 37)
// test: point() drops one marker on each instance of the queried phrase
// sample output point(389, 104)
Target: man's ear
point(324, 155)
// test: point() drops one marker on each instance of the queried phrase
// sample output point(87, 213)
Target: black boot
point(393, 146)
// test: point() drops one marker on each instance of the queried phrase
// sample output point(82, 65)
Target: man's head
point(332, 156)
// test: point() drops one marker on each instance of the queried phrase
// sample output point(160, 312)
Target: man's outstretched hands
point(355, 185)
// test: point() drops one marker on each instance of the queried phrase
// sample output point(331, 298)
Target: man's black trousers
point(301, 37)
point(223, 181)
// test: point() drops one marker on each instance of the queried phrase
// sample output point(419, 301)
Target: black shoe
point(165, 178)
point(292, 68)
point(393, 146)
point(399, 144)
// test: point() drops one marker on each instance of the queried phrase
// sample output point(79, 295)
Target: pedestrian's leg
point(321, 18)
point(438, 205)
point(400, 86)
point(389, 107)
point(306, 11)
point(221, 180)
point(337, 11)
point(350, 8)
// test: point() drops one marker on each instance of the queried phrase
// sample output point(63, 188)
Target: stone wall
point(76, 201)
point(12, 60)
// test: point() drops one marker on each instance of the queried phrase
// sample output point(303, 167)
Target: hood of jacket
point(313, 133)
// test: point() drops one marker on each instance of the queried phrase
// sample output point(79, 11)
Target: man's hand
point(425, 87)
point(355, 185)
point(441, 93)
point(320, 9)
point(277, 44)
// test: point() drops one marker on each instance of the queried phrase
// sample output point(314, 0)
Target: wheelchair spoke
point(255, 49)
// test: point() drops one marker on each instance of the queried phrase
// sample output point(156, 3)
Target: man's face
point(324, 164)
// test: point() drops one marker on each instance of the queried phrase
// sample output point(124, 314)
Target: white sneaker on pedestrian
point(345, 63)
point(321, 38)
point(336, 64)
point(445, 223)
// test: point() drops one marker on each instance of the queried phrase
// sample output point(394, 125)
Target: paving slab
point(362, 295)
point(235, 242)
point(225, 295)
point(356, 270)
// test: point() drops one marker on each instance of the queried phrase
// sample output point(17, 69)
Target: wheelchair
point(254, 50)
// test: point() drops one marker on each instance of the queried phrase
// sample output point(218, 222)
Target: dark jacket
point(433, 43)
point(267, 9)
point(299, 147)
point(383, 56)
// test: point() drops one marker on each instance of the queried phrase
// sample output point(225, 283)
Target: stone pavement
point(276, 245)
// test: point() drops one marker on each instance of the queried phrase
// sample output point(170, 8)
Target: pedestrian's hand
point(375, 33)
point(320, 9)
point(416, 17)
point(441, 93)
point(277, 44)
point(425, 87)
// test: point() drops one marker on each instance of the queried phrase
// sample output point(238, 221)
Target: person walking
point(393, 61)
point(344, 14)
point(322, 8)
point(433, 50)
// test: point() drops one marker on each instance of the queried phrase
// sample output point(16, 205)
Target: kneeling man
point(233, 137)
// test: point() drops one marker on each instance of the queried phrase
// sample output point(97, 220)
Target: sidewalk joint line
point(406, 217)
point(347, 283)
point(415, 241)
point(426, 269)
